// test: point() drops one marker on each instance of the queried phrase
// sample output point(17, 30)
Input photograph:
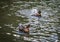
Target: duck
point(24, 29)
point(38, 14)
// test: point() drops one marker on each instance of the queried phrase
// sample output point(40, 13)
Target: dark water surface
point(14, 12)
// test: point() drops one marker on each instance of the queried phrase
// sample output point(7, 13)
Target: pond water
point(44, 29)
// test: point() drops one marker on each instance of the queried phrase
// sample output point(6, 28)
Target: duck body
point(24, 29)
point(36, 15)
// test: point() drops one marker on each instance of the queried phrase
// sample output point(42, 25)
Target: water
point(11, 14)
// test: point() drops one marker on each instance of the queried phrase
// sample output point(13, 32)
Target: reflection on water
point(47, 29)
